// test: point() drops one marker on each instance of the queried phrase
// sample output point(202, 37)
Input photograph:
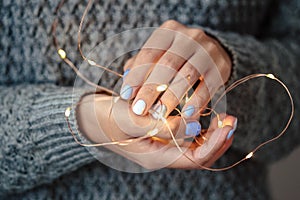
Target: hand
point(103, 118)
point(175, 56)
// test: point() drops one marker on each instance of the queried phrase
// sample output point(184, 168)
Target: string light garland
point(153, 132)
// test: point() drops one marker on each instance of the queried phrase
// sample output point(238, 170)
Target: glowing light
point(161, 88)
point(153, 132)
point(125, 143)
point(62, 53)
point(249, 155)
point(271, 76)
point(68, 112)
point(220, 124)
point(186, 99)
point(91, 62)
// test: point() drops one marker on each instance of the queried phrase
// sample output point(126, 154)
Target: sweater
point(39, 158)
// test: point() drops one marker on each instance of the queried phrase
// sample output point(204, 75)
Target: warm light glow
point(153, 132)
point(91, 62)
point(125, 143)
point(249, 155)
point(220, 124)
point(68, 112)
point(271, 76)
point(186, 99)
point(161, 88)
point(62, 53)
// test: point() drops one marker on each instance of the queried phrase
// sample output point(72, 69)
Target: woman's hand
point(103, 118)
point(174, 58)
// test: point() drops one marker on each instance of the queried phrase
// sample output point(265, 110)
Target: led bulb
point(271, 76)
point(249, 155)
point(91, 62)
point(153, 132)
point(68, 112)
point(220, 124)
point(161, 87)
point(62, 53)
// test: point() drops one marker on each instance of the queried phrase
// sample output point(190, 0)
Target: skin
point(183, 54)
point(99, 125)
point(177, 56)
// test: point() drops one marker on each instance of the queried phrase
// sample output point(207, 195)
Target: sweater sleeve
point(36, 145)
point(262, 106)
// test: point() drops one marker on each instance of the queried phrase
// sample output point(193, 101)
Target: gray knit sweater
point(38, 156)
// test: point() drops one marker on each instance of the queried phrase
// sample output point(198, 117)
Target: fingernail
point(231, 132)
point(139, 107)
point(193, 128)
point(159, 111)
point(126, 92)
point(189, 111)
point(126, 72)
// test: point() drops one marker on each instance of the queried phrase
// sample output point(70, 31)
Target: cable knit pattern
point(38, 156)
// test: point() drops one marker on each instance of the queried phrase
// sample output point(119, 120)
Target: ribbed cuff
point(58, 151)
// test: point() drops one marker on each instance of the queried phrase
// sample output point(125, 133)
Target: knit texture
point(40, 159)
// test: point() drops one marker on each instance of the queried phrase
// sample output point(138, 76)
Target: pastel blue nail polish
point(193, 128)
point(189, 111)
point(139, 107)
point(232, 130)
point(126, 72)
point(126, 92)
point(230, 134)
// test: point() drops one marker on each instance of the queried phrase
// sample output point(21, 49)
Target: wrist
point(95, 121)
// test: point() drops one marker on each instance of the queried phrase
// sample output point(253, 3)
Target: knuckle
point(145, 55)
point(168, 60)
point(171, 24)
point(196, 33)
point(148, 89)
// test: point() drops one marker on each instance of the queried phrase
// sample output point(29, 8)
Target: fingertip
point(228, 132)
point(126, 92)
point(139, 107)
point(188, 111)
point(125, 73)
point(193, 128)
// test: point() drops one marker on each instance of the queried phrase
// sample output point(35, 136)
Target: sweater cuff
point(60, 151)
point(243, 61)
point(56, 150)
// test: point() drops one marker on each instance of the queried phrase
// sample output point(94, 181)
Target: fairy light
point(91, 62)
point(271, 76)
point(68, 112)
point(249, 155)
point(62, 53)
point(152, 132)
point(220, 124)
point(161, 88)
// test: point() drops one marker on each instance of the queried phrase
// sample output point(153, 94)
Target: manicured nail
point(231, 132)
point(126, 72)
point(193, 128)
point(159, 111)
point(189, 111)
point(139, 107)
point(126, 92)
